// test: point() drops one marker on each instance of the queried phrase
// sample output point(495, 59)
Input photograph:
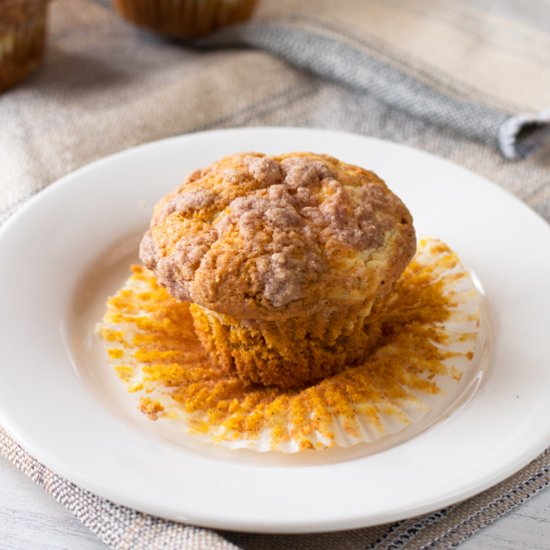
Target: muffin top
point(271, 237)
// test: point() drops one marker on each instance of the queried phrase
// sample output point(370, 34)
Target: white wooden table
point(31, 520)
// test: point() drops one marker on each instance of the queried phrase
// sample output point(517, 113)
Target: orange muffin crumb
point(153, 409)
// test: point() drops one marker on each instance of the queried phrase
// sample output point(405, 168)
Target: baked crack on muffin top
point(273, 237)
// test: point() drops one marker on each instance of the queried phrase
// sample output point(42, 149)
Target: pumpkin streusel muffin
point(22, 39)
point(283, 259)
point(185, 18)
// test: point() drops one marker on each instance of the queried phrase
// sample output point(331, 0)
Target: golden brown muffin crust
point(261, 237)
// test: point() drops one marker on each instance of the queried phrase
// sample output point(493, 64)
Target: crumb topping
point(271, 237)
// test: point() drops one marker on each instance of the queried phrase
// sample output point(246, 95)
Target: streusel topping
point(270, 237)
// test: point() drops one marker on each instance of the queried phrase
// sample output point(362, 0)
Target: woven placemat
point(123, 528)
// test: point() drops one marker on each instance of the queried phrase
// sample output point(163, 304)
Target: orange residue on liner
point(410, 354)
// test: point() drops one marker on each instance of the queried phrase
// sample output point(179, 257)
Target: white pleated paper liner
point(430, 351)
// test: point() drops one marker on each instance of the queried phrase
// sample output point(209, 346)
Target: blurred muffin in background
point(22, 39)
point(185, 18)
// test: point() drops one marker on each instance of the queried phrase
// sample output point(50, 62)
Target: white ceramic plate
point(70, 246)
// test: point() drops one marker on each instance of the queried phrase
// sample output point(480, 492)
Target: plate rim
point(250, 524)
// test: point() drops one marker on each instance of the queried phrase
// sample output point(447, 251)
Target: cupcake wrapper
point(185, 18)
point(430, 358)
point(22, 46)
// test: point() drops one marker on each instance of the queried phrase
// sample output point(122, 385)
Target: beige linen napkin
point(469, 81)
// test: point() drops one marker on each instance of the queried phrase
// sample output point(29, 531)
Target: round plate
point(70, 246)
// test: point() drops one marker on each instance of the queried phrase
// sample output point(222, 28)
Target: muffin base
point(286, 354)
